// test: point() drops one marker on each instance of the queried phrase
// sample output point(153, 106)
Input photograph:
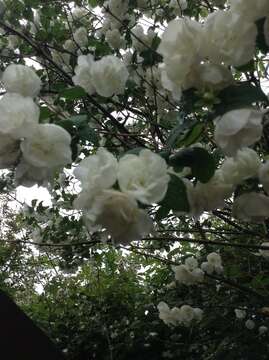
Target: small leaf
point(86, 133)
point(73, 93)
point(176, 131)
point(239, 96)
point(79, 120)
point(67, 125)
point(45, 113)
point(176, 196)
point(250, 66)
point(162, 213)
point(199, 160)
point(192, 136)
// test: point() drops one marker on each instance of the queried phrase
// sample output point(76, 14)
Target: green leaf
point(250, 66)
point(239, 96)
point(161, 213)
point(45, 113)
point(173, 252)
point(73, 93)
point(86, 133)
point(260, 41)
point(67, 125)
point(79, 120)
point(199, 160)
point(93, 3)
point(176, 196)
point(176, 131)
point(192, 136)
point(150, 57)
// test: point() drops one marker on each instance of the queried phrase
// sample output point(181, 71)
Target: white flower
point(138, 33)
point(9, 151)
point(97, 172)
point(176, 315)
point(165, 314)
point(109, 76)
point(209, 196)
point(183, 275)
point(253, 207)
point(178, 6)
point(264, 176)
point(207, 267)
point(198, 275)
point(78, 13)
point(187, 314)
point(140, 40)
point(213, 264)
point(13, 41)
point(144, 176)
point(81, 36)
point(48, 146)
point(83, 75)
point(250, 10)
point(188, 277)
point(191, 263)
point(210, 76)
point(240, 314)
point(171, 285)
point(114, 39)
point(118, 8)
point(28, 175)
point(119, 214)
point(182, 36)
point(18, 115)
point(214, 259)
point(263, 329)
point(21, 79)
point(69, 45)
point(229, 38)
point(36, 236)
point(250, 324)
point(61, 59)
point(237, 129)
point(264, 253)
point(198, 314)
point(180, 45)
point(244, 165)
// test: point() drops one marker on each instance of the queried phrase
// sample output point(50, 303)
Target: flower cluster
point(249, 324)
point(189, 273)
point(227, 37)
point(185, 315)
point(142, 178)
point(213, 264)
point(37, 150)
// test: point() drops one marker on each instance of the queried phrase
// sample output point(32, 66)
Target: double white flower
point(140, 177)
point(106, 76)
point(237, 129)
